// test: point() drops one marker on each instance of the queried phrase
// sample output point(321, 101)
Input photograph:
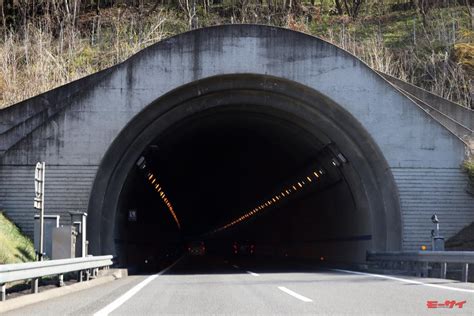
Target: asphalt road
point(215, 285)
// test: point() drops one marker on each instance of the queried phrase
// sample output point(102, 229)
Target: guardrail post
point(34, 285)
point(80, 276)
point(61, 280)
point(444, 268)
point(414, 266)
point(88, 274)
point(425, 269)
point(465, 272)
point(3, 292)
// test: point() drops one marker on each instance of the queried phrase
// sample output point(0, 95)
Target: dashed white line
point(406, 281)
point(127, 295)
point(253, 273)
point(235, 266)
point(294, 294)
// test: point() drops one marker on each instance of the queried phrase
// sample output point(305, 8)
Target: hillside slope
point(14, 246)
point(45, 47)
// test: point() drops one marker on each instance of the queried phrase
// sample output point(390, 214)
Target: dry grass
point(42, 55)
point(36, 60)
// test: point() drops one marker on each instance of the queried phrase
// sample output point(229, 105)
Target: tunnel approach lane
point(248, 286)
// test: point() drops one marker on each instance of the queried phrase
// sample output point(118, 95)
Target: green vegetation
point(48, 43)
point(14, 246)
point(469, 167)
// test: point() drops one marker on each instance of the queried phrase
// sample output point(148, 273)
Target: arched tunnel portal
point(244, 156)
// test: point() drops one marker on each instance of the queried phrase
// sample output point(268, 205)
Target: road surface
point(214, 285)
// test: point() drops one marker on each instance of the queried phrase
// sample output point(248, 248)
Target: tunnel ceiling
point(216, 165)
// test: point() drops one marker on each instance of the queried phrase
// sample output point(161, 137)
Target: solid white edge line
point(125, 297)
point(406, 280)
point(253, 273)
point(130, 293)
point(294, 294)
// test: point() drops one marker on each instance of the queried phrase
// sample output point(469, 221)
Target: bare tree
point(424, 6)
point(189, 8)
point(350, 7)
point(338, 5)
point(470, 9)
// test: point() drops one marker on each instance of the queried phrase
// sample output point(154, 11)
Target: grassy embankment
point(14, 246)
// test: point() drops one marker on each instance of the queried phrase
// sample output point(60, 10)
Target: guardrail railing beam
point(421, 259)
point(35, 270)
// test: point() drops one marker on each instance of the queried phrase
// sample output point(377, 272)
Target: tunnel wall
point(420, 152)
point(67, 190)
point(328, 221)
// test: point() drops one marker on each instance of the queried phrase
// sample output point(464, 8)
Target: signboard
point(38, 204)
point(39, 186)
point(132, 215)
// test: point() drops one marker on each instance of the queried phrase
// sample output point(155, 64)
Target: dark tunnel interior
point(235, 176)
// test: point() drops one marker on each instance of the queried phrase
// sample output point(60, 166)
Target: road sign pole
point(84, 234)
point(39, 203)
point(41, 245)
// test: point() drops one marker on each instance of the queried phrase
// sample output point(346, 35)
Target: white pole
point(41, 245)
point(84, 237)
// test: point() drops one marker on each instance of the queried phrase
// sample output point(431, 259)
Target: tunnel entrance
point(244, 157)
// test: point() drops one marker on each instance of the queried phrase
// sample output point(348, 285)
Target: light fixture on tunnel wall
point(153, 180)
point(141, 163)
point(313, 177)
point(341, 158)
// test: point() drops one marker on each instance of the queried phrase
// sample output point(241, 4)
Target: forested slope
point(47, 43)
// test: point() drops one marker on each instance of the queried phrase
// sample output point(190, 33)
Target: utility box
point(64, 242)
point(50, 222)
point(438, 243)
point(79, 220)
point(80, 238)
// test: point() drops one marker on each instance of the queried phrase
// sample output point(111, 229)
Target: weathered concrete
point(392, 144)
point(458, 113)
point(456, 118)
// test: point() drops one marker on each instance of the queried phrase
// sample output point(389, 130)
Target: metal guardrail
point(35, 270)
point(442, 257)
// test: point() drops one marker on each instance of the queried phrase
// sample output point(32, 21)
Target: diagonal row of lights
point(276, 199)
point(156, 185)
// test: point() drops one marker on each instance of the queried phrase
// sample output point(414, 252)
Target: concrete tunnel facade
point(225, 116)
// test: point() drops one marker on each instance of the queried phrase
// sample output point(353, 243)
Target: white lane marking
point(294, 294)
point(406, 281)
point(134, 290)
point(235, 266)
point(125, 297)
point(253, 273)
